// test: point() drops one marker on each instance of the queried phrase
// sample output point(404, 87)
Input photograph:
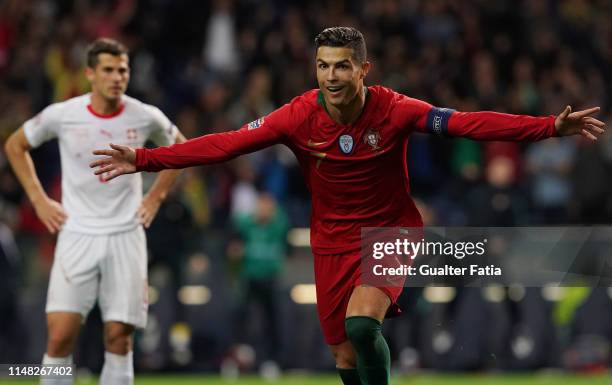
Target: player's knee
point(118, 343)
point(362, 330)
point(60, 343)
point(345, 360)
point(118, 339)
point(344, 355)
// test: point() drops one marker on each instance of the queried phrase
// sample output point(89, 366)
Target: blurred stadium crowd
point(215, 65)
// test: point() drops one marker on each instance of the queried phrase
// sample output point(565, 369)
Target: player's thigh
point(74, 280)
point(335, 278)
point(123, 283)
point(368, 301)
point(63, 326)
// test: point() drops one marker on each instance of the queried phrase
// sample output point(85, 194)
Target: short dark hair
point(104, 45)
point(343, 37)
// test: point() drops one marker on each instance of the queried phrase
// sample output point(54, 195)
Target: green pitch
point(458, 379)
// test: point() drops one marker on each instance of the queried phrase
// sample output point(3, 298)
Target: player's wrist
point(157, 197)
point(38, 198)
point(556, 124)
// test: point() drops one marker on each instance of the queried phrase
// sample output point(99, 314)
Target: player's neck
point(351, 112)
point(103, 106)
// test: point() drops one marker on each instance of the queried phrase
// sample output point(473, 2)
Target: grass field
point(457, 379)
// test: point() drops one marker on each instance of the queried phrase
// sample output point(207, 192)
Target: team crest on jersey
point(132, 134)
point(372, 138)
point(346, 143)
point(255, 124)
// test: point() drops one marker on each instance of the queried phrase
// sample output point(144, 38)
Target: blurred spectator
point(261, 251)
point(498, 202)
point(64, 62)
point(244, 194)
point(11, 333)
point(549, 165)
point(590, 175)
point(220, 49)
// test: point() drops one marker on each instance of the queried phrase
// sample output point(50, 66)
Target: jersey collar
point(321, 102)
point(117, 112)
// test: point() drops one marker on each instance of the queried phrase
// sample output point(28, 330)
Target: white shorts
point(111, 268)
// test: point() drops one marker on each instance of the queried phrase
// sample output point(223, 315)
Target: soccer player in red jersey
point(351, 142)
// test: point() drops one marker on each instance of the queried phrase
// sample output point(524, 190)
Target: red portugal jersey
point(357, 173)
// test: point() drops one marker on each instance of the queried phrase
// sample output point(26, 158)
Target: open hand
point(51, 214)
point(579, 123)
point(119, 160)
point(148, 210)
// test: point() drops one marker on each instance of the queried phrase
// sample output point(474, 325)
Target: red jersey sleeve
point(215, 148)
point(483, 125)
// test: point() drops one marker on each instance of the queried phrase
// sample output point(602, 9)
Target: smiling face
point(340, 75)
point(110, 76)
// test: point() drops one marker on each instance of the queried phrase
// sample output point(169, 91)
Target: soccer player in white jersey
point(101, 247)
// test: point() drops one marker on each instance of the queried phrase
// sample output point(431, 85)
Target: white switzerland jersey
point(94, 206)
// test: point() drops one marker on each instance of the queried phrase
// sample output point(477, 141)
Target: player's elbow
point(179, 138)
point(16, 144)
point(10, 146)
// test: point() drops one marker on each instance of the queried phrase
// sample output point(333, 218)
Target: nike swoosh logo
point(318, 154)
point(314, 144)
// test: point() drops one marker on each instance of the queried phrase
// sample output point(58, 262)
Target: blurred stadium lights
point(553, 293)
point(194, 295)
point(439, 294)
point(180, 339)
point(299, 237)
point(153, 295)
point(151, 336)
point(304, 294)
point(516, 292)
point(442, 341)
point(522, 346)
point(494, 293)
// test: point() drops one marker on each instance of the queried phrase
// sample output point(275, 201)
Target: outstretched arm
point(498, 126)
point(207, 149)
point(487, 125)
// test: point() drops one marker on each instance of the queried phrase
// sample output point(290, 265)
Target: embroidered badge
point(372, 138)
point(255, 124)
point(346, 143)
point(132, 134)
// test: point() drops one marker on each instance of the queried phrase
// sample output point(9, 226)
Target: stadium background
point(215, 65)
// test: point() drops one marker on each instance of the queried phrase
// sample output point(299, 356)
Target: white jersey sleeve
point(44, 126)
point(162, 131)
